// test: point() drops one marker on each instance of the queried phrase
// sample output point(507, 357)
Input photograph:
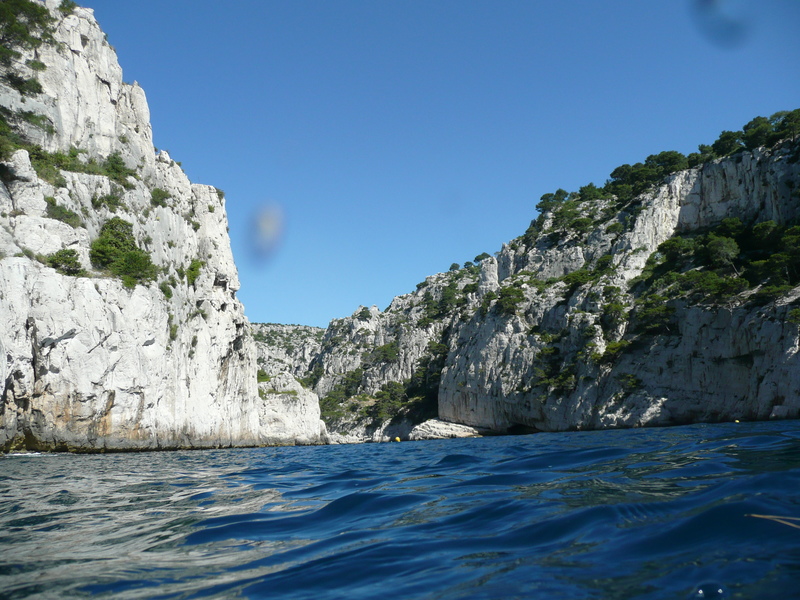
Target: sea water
point(644, 513)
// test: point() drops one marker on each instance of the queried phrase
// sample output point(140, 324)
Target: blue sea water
point(645, 513)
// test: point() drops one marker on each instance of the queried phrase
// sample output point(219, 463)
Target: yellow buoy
point(397, 439)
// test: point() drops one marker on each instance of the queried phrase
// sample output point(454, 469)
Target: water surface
point(646, 513)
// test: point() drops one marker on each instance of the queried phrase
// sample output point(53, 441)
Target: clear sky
point(387, 139)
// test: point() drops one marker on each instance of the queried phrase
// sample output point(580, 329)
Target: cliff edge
point(669, 295)
point(120, 324)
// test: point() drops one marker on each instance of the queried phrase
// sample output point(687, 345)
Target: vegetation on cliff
point(596, 319)
point(115, 249)
point(627, 182)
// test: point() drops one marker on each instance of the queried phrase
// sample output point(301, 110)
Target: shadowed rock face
point(88, 363)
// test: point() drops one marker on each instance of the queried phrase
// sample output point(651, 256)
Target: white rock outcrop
point(514, 344)
point(719, 363)
point(434, 429)
point(286, 348)
point(89, 364)
point(288, 411)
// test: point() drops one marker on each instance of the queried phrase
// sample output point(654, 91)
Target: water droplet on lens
point(710, 590)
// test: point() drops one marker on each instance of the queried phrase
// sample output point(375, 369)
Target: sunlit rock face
point(288, 410)
point(547, 357)
point(720, 361)
point(90, 364)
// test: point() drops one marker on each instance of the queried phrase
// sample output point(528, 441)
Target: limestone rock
point(520, 341)
point(434, 429)
point(88, 363)
point(288, 411)
point(286, 348)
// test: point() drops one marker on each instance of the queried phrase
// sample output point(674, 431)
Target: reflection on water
point(617, 514)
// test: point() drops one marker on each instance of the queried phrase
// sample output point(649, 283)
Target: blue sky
point(393, 138)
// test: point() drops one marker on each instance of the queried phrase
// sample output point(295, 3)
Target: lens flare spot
point(268, 226)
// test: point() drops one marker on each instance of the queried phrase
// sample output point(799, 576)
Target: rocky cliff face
point(286, 348)
point(283, 353)
point(589, 321)
point(93, 360)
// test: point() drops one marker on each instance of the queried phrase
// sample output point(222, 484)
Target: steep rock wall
point(88, 363)
point(286, 348)
point(514, 343)
point(717, 362)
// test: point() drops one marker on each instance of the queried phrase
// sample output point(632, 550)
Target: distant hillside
point(667, 295)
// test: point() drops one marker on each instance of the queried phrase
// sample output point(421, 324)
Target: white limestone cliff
point(289, 411)
point(720, 363)
point(286, 348)
point(542, 364)
point(89, 364)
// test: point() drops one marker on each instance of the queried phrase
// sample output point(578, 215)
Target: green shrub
point(261, 376)
point(677, 250)
point(551, 200)
point(115, 249)
point(565, 214)
point(581, 225)
point(448, 301)
point(111, 201)
point(49, 164)
point(386, 354)
point(25, 86)
point(193, 272)
point(348, 386)
point(654, 314)
point(613, 350)
point(313, 377)
point(613, 315)
point(66, 262)
point(67, 6)
point(488, 298)
point(37, 120)
point(721, 250)
point(62, 213)
point(23, 24)
point(389, 401)
point(704, 154)
point(165, 289)
point(508, 299)
point(629, 382)
point(615, 228)
point(114, 168)
point(628, 181)
point(768, 293)
point(116, 237)
point(158, 197)
point(590, 192)
point(604, 264)
point(710, 284)
point(577, 278)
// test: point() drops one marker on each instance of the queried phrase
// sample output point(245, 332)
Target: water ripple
point(618, 514)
